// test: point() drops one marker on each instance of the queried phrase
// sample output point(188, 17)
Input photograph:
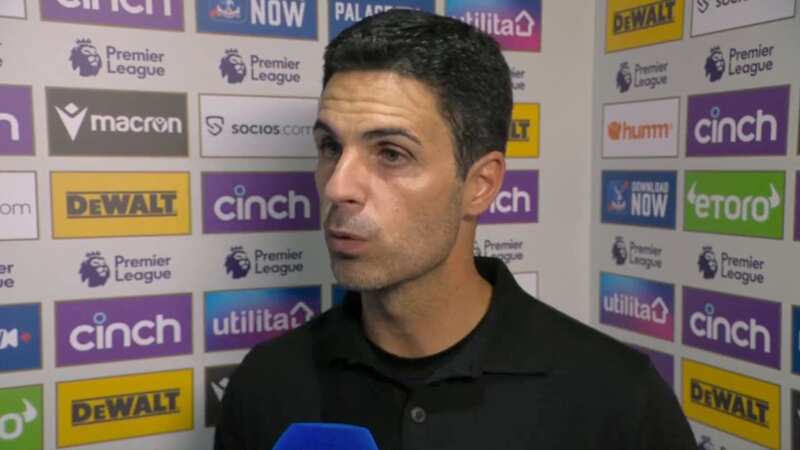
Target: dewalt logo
point(637, 23)
point(523, 133)
point(112, 204)
point(103, 409)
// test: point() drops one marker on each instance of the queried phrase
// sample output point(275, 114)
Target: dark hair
point(461, 64)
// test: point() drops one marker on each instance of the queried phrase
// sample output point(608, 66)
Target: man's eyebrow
point(320, 125)
point(384, 132)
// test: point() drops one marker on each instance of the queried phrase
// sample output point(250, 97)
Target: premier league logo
point(85, 58)
point(237, 264)
point(619, 252)
point(715, 64)
point(624, 78)
point(94, 270)
point(707, 263)
point(232, 66)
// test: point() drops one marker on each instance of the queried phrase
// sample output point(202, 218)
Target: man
point(434, 349)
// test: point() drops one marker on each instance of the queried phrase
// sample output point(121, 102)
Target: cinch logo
point(637, 23)
point(119, 329)
point(751, 122)
point(85, 122)
point(742, 269)
point(141, 64)
point(638, 305)
point(20, 338)
point(641, 129)
point(251, 126)
point(106, 409)
point(277, 71)
point(158, 14)
point(737, 326)
point(514, 24)
point(272, 18)
point(748, 61)
point(217, 379)
point(242, 319)
point(18, 207)
point(648, 76)
point(16, 116)
point(711, 16)
point(21, 418)
point(523, 133)
point(508, 250)
point(95, 272)
point(733, 403)
point(647, 256)
point(517, 201)
point(735, 203)
point(107, 204)
point(267, 262)
point(259, 201)
point(639, 198)
point(795, 339)
point(13, 8)
point(343, 13)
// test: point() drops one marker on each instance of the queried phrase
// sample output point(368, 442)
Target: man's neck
point(429, 314)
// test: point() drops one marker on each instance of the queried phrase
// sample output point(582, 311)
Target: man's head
point(413, 120)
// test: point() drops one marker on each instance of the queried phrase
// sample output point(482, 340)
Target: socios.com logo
point(712, 16)
point(20, 337)
point(735, 203)
point(158, 14)
point(514, 24)
point(637, 305)
point(269, 18)
point(21, 418)
point(639, 198)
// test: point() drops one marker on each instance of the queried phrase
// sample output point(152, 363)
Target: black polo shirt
point(528, 377)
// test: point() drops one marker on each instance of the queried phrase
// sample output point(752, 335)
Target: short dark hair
point(460, 63)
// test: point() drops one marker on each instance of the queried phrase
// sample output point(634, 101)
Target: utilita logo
point(95, 272)
point(20, 337)
point(276, 71)
point(267, 262)
point(158, 14)
point(752, 122)
point(733, 325)
point(741, 269)
point(648, 76)
point(141, 63)
point(637, 305)
point(639, 198)
point(514, 24)
point(270, 18)
point(242, 319)
point(751, 61)
point(94, 331)
point(517, 201)
point(16, 117)
point(647, 256)
point(259, 201)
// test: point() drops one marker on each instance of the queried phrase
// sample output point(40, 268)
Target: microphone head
point(325, 436)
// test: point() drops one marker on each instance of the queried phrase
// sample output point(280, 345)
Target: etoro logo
point(637, 23)
point(271, 18)
point(735, 203)
point(733, 325)
point(514, 24)
point(21, 423)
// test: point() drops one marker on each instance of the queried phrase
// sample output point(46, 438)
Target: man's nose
point(347, 183)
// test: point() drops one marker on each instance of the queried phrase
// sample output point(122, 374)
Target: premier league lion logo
point(85, 58)
point(715, 64)
point(232, 66)
point(94, 270)
point(237, 264)
point(707, 263)
point(624, 78)
point(619, 252)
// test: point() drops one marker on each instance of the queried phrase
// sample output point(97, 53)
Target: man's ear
point(483, 182)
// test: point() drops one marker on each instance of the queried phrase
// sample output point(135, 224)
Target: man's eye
point(328, 148)
point(391, 155)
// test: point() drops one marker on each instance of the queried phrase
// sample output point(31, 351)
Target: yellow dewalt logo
point(523, 133)
point(637, 23)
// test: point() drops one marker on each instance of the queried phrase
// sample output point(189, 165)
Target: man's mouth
point(345, 243)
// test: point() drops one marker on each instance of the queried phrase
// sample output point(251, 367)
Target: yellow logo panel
point(115, 204)
point(523, 134)
point(736, 404)
point(637, 23)
point(108, 409)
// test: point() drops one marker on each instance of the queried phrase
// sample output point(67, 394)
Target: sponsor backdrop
point(158, 213)
point(696, 202)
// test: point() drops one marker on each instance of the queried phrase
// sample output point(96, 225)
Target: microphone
point(325, 436)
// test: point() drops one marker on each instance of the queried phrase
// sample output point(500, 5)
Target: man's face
point(391, 197)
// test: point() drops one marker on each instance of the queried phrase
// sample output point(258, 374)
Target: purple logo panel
point(752, 122)
point(797, 208)
point(517, 201)
point(663, 362)
point(16, 121)
point(158, 14)
point(118, 329)
point(737, 326)
point(235, 202)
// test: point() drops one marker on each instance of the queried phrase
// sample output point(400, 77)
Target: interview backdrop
point(158, 213)
point(695, 215)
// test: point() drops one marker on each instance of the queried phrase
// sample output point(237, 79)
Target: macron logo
point(72, 118)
